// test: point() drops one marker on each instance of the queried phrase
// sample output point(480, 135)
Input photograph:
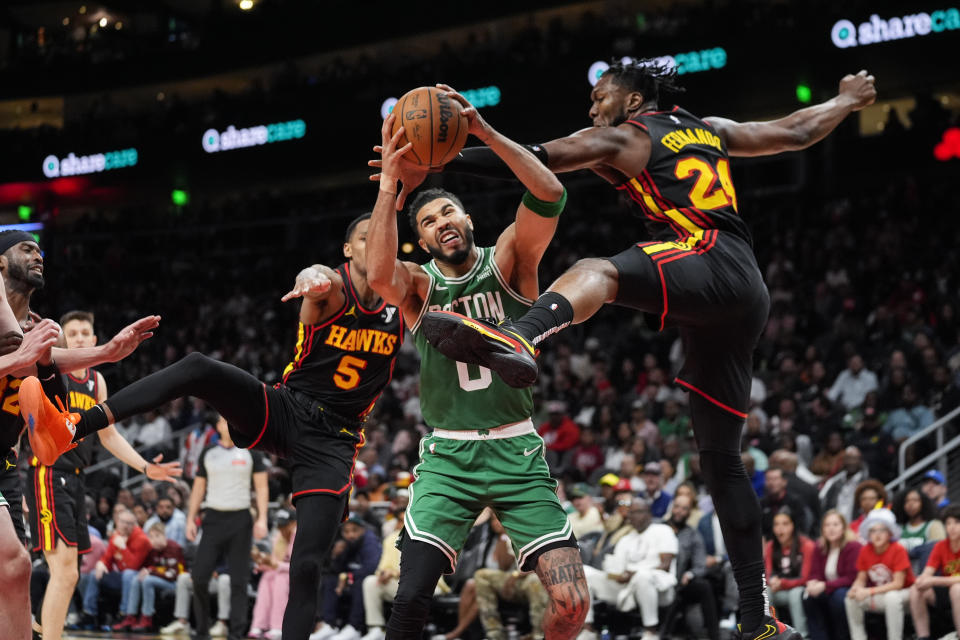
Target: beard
point(457, 257)
point(21, 273)
point(619, 119)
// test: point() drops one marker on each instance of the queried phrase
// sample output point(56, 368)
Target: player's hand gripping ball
point(434, 123)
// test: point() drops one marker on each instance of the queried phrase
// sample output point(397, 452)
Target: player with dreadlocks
point(697, 272)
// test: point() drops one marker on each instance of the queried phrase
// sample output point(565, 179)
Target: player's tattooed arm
point(322, 291)
point(561, 572)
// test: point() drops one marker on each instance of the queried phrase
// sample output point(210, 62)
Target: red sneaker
point(144, 624)
point(126, 623)
point(49, 429)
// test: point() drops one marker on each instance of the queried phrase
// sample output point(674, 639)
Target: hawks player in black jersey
point(21, 265)
point(347, 343)
point(55, 494)
point(697, 273)
point(14, 559)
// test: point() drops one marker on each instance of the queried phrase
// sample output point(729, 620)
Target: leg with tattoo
point(561, 572)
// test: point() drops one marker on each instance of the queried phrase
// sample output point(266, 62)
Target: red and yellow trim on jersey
point(687, 223)
point(305, 334)
point(302, 348)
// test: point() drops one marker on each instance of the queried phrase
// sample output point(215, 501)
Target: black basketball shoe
point(769, 629)
point(482, 342)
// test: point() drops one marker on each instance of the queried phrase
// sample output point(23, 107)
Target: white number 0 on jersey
point(473, 384)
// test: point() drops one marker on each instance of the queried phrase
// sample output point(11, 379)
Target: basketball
point(434, 123)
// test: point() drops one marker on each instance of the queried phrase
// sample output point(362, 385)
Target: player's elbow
point(553, 190)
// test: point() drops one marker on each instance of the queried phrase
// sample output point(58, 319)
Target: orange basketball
point(434, 123)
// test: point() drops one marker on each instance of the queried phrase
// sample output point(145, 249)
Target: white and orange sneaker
point(49, 429)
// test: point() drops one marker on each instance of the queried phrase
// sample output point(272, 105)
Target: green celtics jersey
point(455, 395)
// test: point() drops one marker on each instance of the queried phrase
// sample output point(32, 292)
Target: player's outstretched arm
point(522, 244)
point(322, 291)
point(801, 128)
point(585, 149)
point(36, 345)
point(119, 347)
point(122, 450)
point(402, 284)
point(539, 180)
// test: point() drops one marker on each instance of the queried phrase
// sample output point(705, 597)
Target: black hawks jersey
point(11, 424)
point(685, 193)
point(346, 361)
point(81, 395)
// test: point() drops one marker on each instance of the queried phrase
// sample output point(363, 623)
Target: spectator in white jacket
point(639, 572)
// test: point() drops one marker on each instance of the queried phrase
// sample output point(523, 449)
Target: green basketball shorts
point(461, 472)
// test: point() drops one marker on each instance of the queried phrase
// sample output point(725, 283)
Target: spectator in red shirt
point(941, 591)
point(787, 558)
point(118, 566)
point(560, 434)
point(159, 573)
point(587, 456)
point(883, 575)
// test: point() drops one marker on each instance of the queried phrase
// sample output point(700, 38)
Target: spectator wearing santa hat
point(883, 577)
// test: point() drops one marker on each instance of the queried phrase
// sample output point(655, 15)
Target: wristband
point(542, 207)
point(47, 371)
point(386, 179)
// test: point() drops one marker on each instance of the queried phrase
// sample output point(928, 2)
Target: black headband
point(12, 238)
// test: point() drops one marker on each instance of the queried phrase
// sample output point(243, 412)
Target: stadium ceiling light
point(103, 22)
point(245, 5)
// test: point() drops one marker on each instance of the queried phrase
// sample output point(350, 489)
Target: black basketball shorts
point(321, 446)
point(714, 293)
point(10, 489)
point(57, 509)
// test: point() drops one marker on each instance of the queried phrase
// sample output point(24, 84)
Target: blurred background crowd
point(856, 239)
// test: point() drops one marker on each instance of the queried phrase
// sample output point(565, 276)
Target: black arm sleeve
point(484, 162)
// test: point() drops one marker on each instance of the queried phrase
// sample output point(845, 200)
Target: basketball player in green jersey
point(483, 450)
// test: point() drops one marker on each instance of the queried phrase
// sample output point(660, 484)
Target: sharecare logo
point(845, 34)
point(74, 165)
point(233, 138)
point(690, 62)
